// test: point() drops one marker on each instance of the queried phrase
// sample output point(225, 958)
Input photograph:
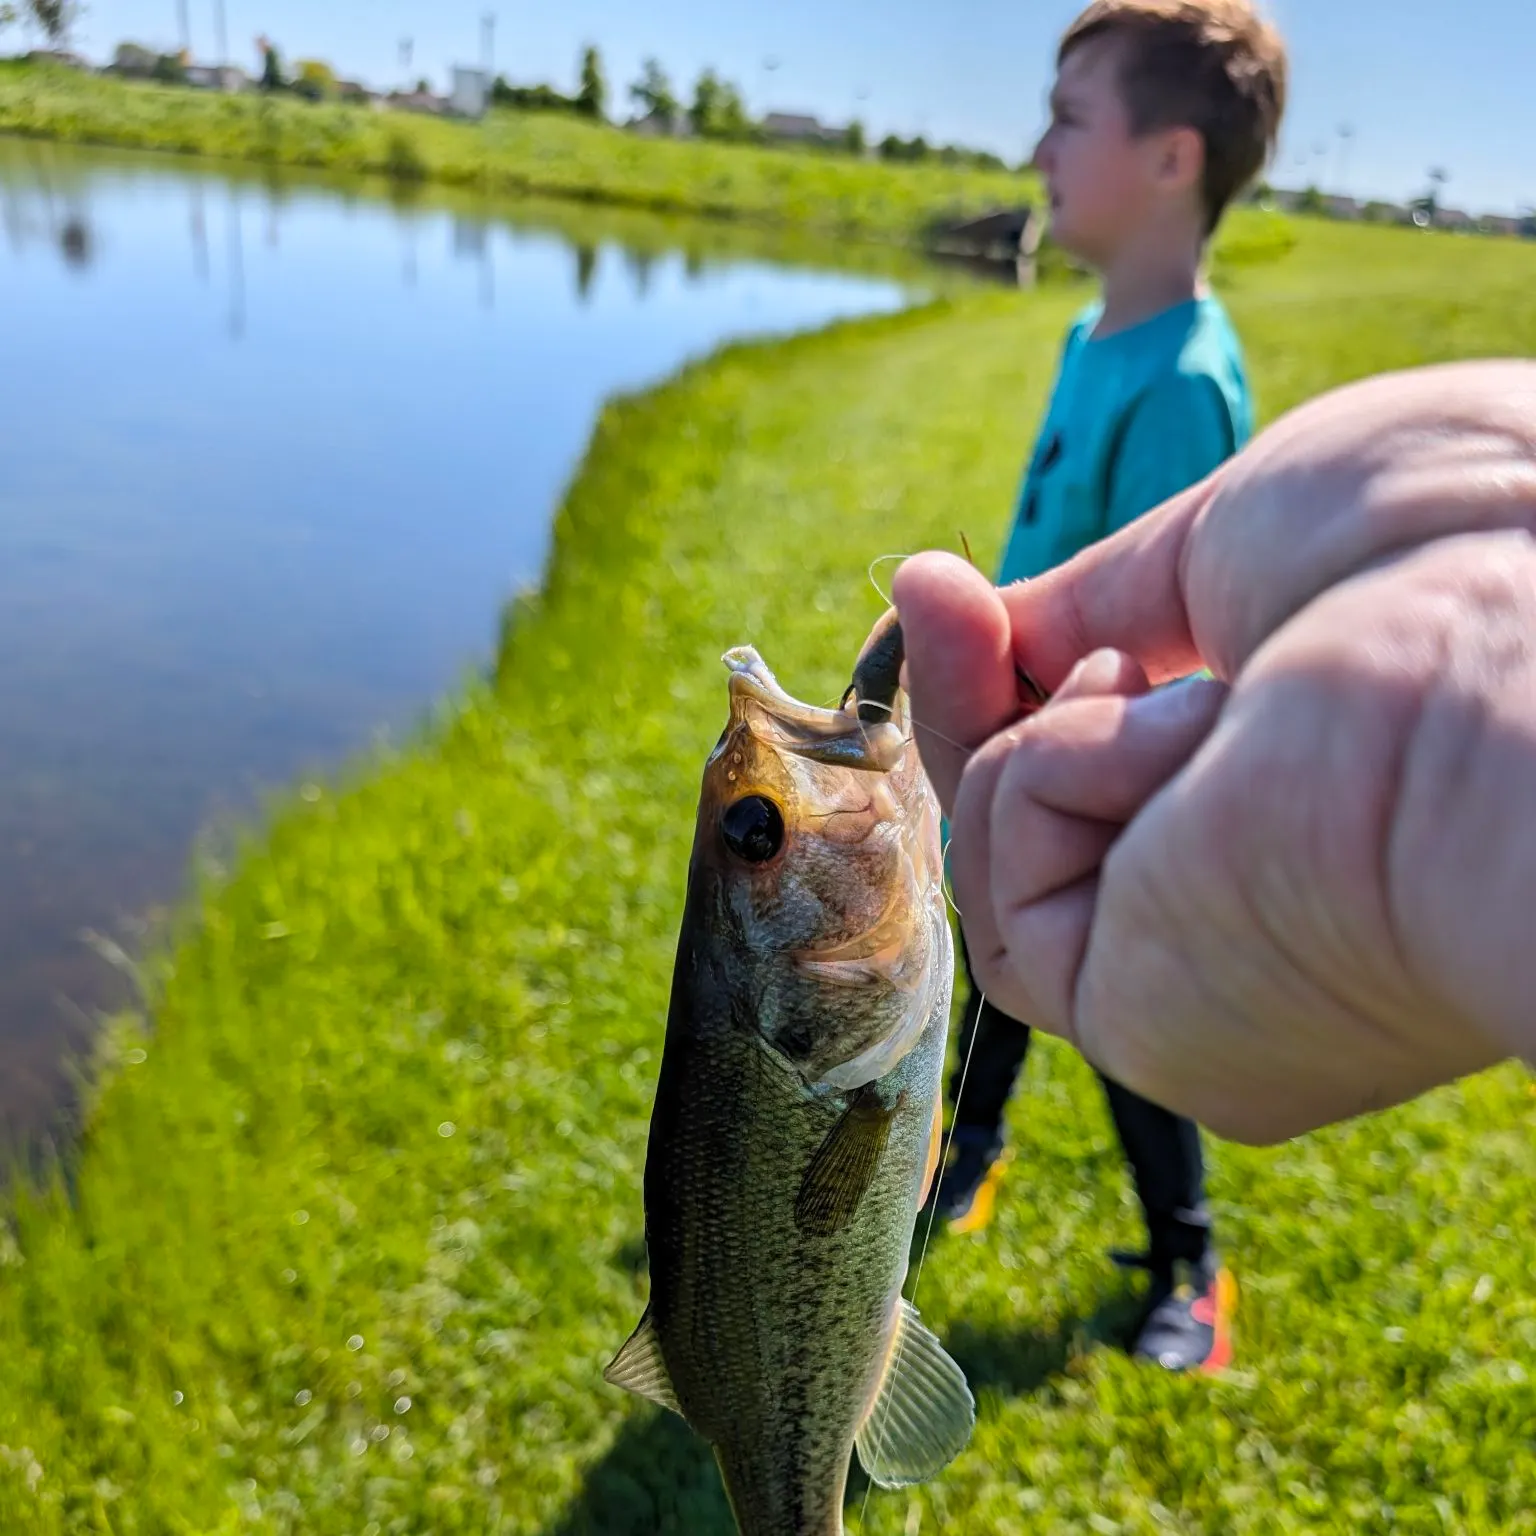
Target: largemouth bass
point(795, 1125)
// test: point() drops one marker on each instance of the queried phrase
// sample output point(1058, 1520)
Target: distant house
point(1500, 224)
point(217, 77)
point(656, 126)
point(416, 101)
point(58, 56)
point(1336, 207)
point(1287, 199)
point(1453, 218)
point(356, 92)
point(800, 128)
point(135, 62)
point(470, 92)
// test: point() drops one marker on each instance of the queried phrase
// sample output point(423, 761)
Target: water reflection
point(236, 272)
point(297, 481)
point(586, 270)
point(76, 242)
point(52, 215)
point(33, 209)
point(640, 264)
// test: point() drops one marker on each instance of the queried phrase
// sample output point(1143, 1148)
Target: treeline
point(715, 109)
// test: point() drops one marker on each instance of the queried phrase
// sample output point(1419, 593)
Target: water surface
point(272, 458)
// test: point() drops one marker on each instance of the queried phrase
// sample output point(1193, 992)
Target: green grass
point(508, 152)
point(383, 1138)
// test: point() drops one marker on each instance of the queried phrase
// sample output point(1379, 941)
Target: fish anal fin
point(923, 1412)
point(639, 1368)
point(844, 1166)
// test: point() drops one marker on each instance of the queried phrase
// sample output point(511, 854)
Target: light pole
point(770, 66)
point(1346, 133)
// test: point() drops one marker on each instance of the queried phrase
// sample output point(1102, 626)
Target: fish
point(795, 1129)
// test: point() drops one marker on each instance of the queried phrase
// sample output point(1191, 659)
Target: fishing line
point(870, 572)
point(933, 1210)
point(890, 709)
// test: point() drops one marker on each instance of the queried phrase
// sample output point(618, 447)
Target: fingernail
point(1178, 703)
point(1096, 672)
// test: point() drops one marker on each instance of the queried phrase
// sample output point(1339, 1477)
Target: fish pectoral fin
point(844, 1166)
point(923, 1414)
point(935, 1151)
point(639, 1368)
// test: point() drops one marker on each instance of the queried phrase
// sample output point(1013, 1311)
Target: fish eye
point(753, 828)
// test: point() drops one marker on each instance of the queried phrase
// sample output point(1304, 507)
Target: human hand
point(1297, 893)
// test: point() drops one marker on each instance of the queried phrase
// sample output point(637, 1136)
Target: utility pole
point(405, 60)
point(185, 26)
point(1346, 133)
point(770, 68)
point(222, 35)
point(488, 41)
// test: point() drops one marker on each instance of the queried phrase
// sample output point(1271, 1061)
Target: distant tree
point(315, 79)
point(732, 120)
point(530, 98)
point(653, 92)
point(853, 138)
point(170, 69)
point(55, 19)
point(1430, 202)
point(424, 86)
point(718, 112)
point(894, 148)
point(9, 16)
point(1311, 201)
point(706, 103)
point(592, 98)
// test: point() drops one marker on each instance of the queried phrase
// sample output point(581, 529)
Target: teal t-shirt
point(1134, 418)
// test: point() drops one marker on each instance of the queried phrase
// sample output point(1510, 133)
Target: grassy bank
point(358, 1221)
point(508, 152)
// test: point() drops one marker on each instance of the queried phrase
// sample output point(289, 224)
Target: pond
point(273, 455)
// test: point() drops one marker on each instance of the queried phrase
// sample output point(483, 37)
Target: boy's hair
point(1212, 65)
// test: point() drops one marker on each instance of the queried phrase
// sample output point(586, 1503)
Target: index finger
point(1125, 593)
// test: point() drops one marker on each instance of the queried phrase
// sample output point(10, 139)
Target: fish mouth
point(834, 736)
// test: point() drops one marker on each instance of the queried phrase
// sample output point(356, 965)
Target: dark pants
point(1163, 1148)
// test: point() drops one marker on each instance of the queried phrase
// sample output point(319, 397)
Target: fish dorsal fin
point(844, 1166)
point(923, 1413)
point(639, 1368)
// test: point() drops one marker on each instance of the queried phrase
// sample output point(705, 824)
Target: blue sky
point(1422, 82)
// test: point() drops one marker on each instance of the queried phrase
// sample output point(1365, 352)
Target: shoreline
point(510, 153)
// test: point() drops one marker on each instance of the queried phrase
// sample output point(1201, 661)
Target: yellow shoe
point(967, 1192)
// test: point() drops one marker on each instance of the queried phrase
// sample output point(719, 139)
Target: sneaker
point(967, 1189)
point(1187, 1321)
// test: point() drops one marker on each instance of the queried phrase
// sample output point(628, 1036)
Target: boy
point(1162, 111)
